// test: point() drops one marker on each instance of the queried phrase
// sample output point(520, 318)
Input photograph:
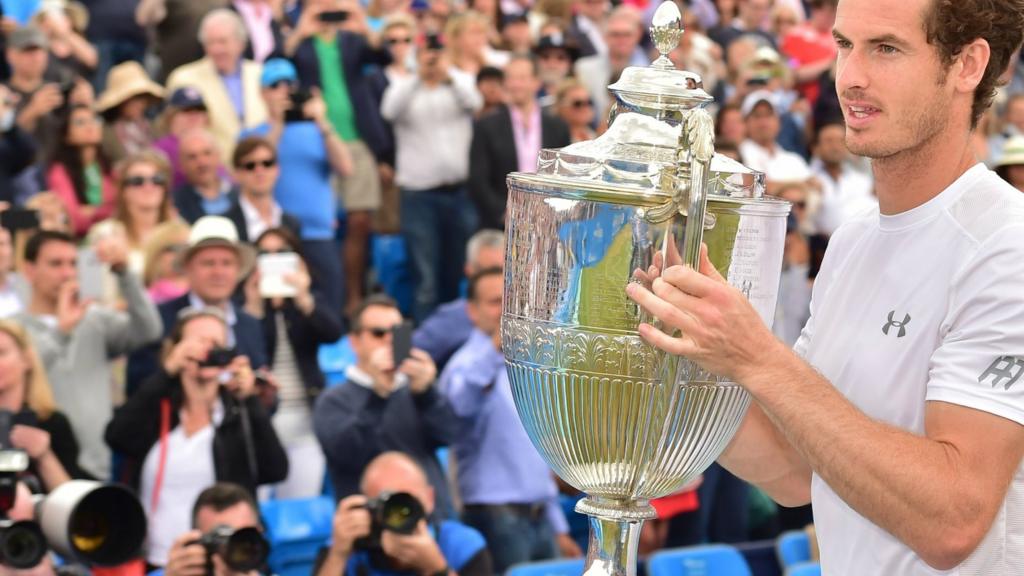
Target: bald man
point(437, 547)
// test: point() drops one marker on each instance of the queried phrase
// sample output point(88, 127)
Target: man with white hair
point(174, 23)
point(229, 84)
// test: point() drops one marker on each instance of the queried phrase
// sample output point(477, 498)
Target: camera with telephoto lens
point(218, 357)
point(82, 520)
point(398, 512)
point(243, 550)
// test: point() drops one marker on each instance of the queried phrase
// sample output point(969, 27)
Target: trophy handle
point(697, 137)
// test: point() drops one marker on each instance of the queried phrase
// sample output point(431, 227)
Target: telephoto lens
point(398, 512)
point(242, 550)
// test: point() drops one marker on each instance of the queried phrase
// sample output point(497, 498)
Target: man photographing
point(899, 416)
point(433, 548)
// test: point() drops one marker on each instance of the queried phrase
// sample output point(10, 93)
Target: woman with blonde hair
point(161, 271)
point(142, 202)
point(574, 106)
point(466, 37)
point(36, 426)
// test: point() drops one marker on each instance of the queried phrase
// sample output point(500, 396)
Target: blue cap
point(186, 98)
point(277, 69)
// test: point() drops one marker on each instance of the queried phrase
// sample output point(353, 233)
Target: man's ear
point(971, 65)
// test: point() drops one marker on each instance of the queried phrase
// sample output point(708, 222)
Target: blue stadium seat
point(804, 569)
point(792, 547)
point(572, 567)
point(390, 262)
point(297, 529)
point(334, 359)
point(711, 560)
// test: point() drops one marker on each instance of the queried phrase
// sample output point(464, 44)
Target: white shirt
point(842, 200)
point(926, 305)
point(254, 222)
point(777, 164)
point(188, 470)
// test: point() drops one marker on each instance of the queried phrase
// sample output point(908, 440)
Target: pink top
point(59, 182)
point(257, 17)
point(527, 137)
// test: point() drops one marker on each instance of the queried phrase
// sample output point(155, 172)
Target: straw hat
point(1013, 153)
point(127, 80)
point(219, 232)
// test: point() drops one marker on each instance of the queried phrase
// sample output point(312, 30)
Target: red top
point(59, 182)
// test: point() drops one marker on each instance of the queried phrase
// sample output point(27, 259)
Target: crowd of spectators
point(156, 156)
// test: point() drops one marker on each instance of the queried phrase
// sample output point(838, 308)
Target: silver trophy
point(614, 417)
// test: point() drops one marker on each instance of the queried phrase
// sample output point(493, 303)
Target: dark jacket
point(275, 31)
point(189, 203)
point(62, 441)
point(144, 362)
point(354, 425)
point(18, 151)
point(237, 218)
point(358, 60)
point(492, 155)
point(135, 429)
point(306, 334)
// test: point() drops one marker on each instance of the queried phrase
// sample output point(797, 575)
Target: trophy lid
point(636, 160)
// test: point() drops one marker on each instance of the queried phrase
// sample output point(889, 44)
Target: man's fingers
point(707, 268)
point(659, 308)
point(689, 281)
point(679, 346)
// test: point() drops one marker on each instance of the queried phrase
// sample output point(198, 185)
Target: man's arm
point(481, 165)
point(150, 12)
point(347, 424)
point(140, 326)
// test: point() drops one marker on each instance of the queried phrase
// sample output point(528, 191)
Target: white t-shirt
point(927, 305)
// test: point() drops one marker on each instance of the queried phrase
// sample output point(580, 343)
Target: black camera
point(242, 550)
point(22, 544)
point(299, 97)
point(434, 42)
point(398, 512)
point(218, 357)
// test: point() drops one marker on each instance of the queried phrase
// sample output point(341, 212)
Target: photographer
point(221, 505)
point(194, 422)
point(361, 544)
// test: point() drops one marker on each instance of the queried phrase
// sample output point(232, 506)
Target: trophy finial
point(666, 31)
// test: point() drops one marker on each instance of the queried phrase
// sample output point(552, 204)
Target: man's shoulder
point(989, 208)
point(459, 542)
point(189, 71)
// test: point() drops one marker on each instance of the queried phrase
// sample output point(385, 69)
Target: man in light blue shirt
point(508, 491)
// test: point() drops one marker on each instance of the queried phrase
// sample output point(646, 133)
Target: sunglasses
point(78, 122)
point(380, 332)
point(396, 41)
point(156, 180)
point(252, 164)
point(577, 104)
point(263, 252)
point(280, 83)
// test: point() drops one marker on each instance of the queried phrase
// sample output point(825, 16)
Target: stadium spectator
point(17, 147)
point(184, 112)
point(176, 26)
point(574, 106)
point(1010, 166)
point(256, 170)
point(79, 173)
point(195, 421)
point(846, 191)
point(124, 105)
point(294, 328)
point(207, 189)
point(622, 36)
point(76, 341)
point(383, 407)
point(229, 84)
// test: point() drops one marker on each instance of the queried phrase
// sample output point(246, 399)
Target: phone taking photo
point(90, 274)
point(401, 342)
point(333, 16)
point(274, 268)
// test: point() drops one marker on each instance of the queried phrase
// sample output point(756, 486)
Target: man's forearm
point(911, 486)
point(150, 12)
point(334, 564)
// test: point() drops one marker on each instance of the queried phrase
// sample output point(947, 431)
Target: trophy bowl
point(614, 417)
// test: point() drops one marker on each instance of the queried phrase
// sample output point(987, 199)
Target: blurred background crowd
point(207, 203)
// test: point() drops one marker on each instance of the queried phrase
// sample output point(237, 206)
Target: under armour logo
point(901, 324)
point(1006, 370)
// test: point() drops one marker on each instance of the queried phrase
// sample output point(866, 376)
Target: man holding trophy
point(900, 413)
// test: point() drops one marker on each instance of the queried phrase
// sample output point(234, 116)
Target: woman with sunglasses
point(294, 327)
point(574, 105)
point(79, 173)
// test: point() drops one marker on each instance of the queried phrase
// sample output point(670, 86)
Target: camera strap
point(165, 430)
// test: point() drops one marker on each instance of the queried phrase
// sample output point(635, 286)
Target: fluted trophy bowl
point(613, 416)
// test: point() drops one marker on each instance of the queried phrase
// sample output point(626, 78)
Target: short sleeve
point(979, 362)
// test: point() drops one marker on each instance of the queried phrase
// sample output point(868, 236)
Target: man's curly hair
point(950, 25)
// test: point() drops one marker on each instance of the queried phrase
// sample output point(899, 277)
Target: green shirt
point(93, 184)
point(335, 89)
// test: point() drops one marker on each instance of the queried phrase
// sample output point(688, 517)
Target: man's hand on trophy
point(658, 263)
point(720, 330)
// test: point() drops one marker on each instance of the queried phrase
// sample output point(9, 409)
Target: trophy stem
point(614, 535)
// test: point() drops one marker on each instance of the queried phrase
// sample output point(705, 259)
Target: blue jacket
point(359, 61)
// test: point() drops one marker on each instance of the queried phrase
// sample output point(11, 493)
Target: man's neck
point(41, 306)
point(209, 190)
point(26, 83)
point(833, 169)
point(229, 70)
point(222, 304)
point(913, 177)
point(619, 62)
point(525, 108)
point(770, 146)
point(263, 203)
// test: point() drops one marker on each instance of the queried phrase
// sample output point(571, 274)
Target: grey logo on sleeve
point(893, 323)
point(1005, 371)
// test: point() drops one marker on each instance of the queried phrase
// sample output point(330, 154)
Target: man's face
point(754, 12)
point(485, 307)
point(622, 36)
point(211, 333)
point(199, 159)
point(592, 9)
point(222, 45)
point(239, 516)
point(376, 324)
point(763, 124)
point(56, 264)
point(554, 65)
point(831, 146)
point(213, 274)
point(487, 257)
point(29, 63)
point(492, 91)
point(257, 172)
point(521, 84)
point(893, 92)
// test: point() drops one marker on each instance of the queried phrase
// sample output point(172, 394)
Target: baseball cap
point(186, 97)
point(276, 70)
point(27, 37)
point(755, 98)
